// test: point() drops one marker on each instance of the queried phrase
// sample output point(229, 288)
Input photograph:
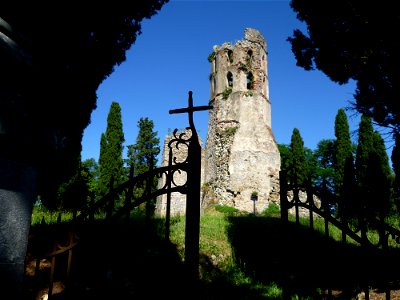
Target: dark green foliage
point(74, 194)
point(286, 156)
point(343, 149)
point(299, 172)
point(344, 178)
point(373, 173)
point(364, 147)
point(211, 56)
point(353, 40)
point(111, 146)
point(378, 179)
point(349, 205)
point(143, 153)
point(49, 77)
point(90, 170)
point(56, 78)
point(226, 209)
point(142, 156)
point(312, 164)
point(273, 210)
point(287, 162)
point(101, 186)
point(324, 169)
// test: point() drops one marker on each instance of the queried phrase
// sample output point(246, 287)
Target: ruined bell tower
point(242, 157)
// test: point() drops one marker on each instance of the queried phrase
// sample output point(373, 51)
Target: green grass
point(215, 245)
point(244, 257)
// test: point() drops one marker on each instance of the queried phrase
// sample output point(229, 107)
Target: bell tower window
point(229, 77)
point(230, 56)
point(250, 81)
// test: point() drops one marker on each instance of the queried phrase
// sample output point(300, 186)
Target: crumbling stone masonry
point(241, 154)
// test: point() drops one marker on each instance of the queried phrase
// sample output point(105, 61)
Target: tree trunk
point(17, 194)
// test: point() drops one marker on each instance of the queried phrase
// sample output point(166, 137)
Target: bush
point(273, 209)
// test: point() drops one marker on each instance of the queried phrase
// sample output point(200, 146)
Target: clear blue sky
point(169, 58)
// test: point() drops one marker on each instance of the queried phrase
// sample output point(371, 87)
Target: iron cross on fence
point(192, 230)
point(190, 109)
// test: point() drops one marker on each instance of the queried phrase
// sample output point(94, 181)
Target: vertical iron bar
point(345, 226)
point(326, 210)
point(149, 185)
point(192, 236)
point(53, 266)
point(69, 263)
point(385, 247)
point(168, 208)
point(285, 221)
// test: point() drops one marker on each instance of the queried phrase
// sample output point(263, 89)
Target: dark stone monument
point(17, 191)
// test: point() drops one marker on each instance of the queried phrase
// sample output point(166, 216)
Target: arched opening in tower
point(230, 56)
point(249, 54)
point(250, 81)
point(229, 77)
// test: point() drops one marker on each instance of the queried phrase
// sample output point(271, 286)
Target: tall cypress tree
point(324, 171)
point(378, 179)
point(286, 156)
point(111, 146)
point(299, 171)
point(364, 148)
point(144, 152)
point(344, 179)
point(74, 193)
point(142, 156)
point(90, 170)
point(323, 174)
point(343, 146)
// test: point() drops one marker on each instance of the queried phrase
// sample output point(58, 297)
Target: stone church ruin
point(240, 160)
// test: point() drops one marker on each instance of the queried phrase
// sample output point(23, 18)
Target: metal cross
point(190, 109)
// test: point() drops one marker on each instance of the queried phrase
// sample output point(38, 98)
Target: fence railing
point(55, 246)
point(145, 182)
point(107, 204)
point(359, 232)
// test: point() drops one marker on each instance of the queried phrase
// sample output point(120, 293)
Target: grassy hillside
point(241, 257)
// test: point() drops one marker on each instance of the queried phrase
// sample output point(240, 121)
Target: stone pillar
point(17, 193)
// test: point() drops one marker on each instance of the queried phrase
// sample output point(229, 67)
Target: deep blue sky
point(169, 58)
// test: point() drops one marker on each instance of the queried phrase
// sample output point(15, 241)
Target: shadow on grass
point(306, 262)
point(126, 261)
point(133, 261)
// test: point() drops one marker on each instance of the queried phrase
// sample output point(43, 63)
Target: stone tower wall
point(241, 155)
point(241, 152)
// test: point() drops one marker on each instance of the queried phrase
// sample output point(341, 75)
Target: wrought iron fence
point(359, 231)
